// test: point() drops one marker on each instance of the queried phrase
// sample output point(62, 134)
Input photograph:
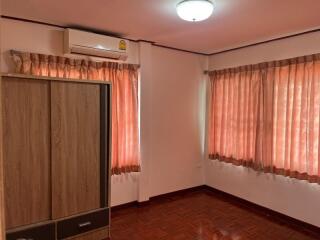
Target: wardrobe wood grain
point(75, 127)
point(101, 234)
point(26, 151)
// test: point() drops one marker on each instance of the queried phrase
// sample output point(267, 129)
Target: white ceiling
point(234, 23)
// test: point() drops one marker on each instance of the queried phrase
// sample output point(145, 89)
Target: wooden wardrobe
point(56, 155)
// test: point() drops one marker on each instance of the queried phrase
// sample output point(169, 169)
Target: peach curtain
point(267, 117)
point(124, 78)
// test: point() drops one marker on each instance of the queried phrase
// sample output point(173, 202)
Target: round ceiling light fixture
point(195, 10)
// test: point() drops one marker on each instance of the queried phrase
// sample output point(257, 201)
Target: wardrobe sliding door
point(26, 150)
point(75, 139)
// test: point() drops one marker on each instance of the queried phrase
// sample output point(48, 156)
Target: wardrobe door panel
point(75, 125)
point(26, 151)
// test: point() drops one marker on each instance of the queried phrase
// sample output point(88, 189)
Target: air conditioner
point(85, 43)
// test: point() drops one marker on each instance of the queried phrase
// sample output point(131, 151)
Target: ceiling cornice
point(164, 46)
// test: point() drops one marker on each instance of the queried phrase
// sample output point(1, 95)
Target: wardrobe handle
point(85, 224)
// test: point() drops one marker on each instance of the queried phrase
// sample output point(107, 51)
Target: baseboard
point(125, 206)
point(178, 193)
point(274, 216)
point(158, 198)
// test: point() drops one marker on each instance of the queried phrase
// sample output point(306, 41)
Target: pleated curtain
point(266, 116)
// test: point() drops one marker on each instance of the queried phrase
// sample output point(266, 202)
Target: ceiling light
point(195, 10)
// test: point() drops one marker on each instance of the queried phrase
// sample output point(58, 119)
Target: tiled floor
point(197, 216)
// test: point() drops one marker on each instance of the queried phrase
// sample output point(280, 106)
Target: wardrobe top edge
point(17, 75)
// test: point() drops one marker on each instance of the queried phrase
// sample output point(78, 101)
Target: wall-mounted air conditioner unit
point(80, 42)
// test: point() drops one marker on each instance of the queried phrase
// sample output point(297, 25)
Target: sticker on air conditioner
point(122, 45)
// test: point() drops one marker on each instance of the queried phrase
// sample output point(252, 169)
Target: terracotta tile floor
point(197, 216)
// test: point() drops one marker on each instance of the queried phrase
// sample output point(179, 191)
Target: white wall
point(172, 121)
point(277, 50)
point(292, 197)
point(172, 93)
point(177, 120)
